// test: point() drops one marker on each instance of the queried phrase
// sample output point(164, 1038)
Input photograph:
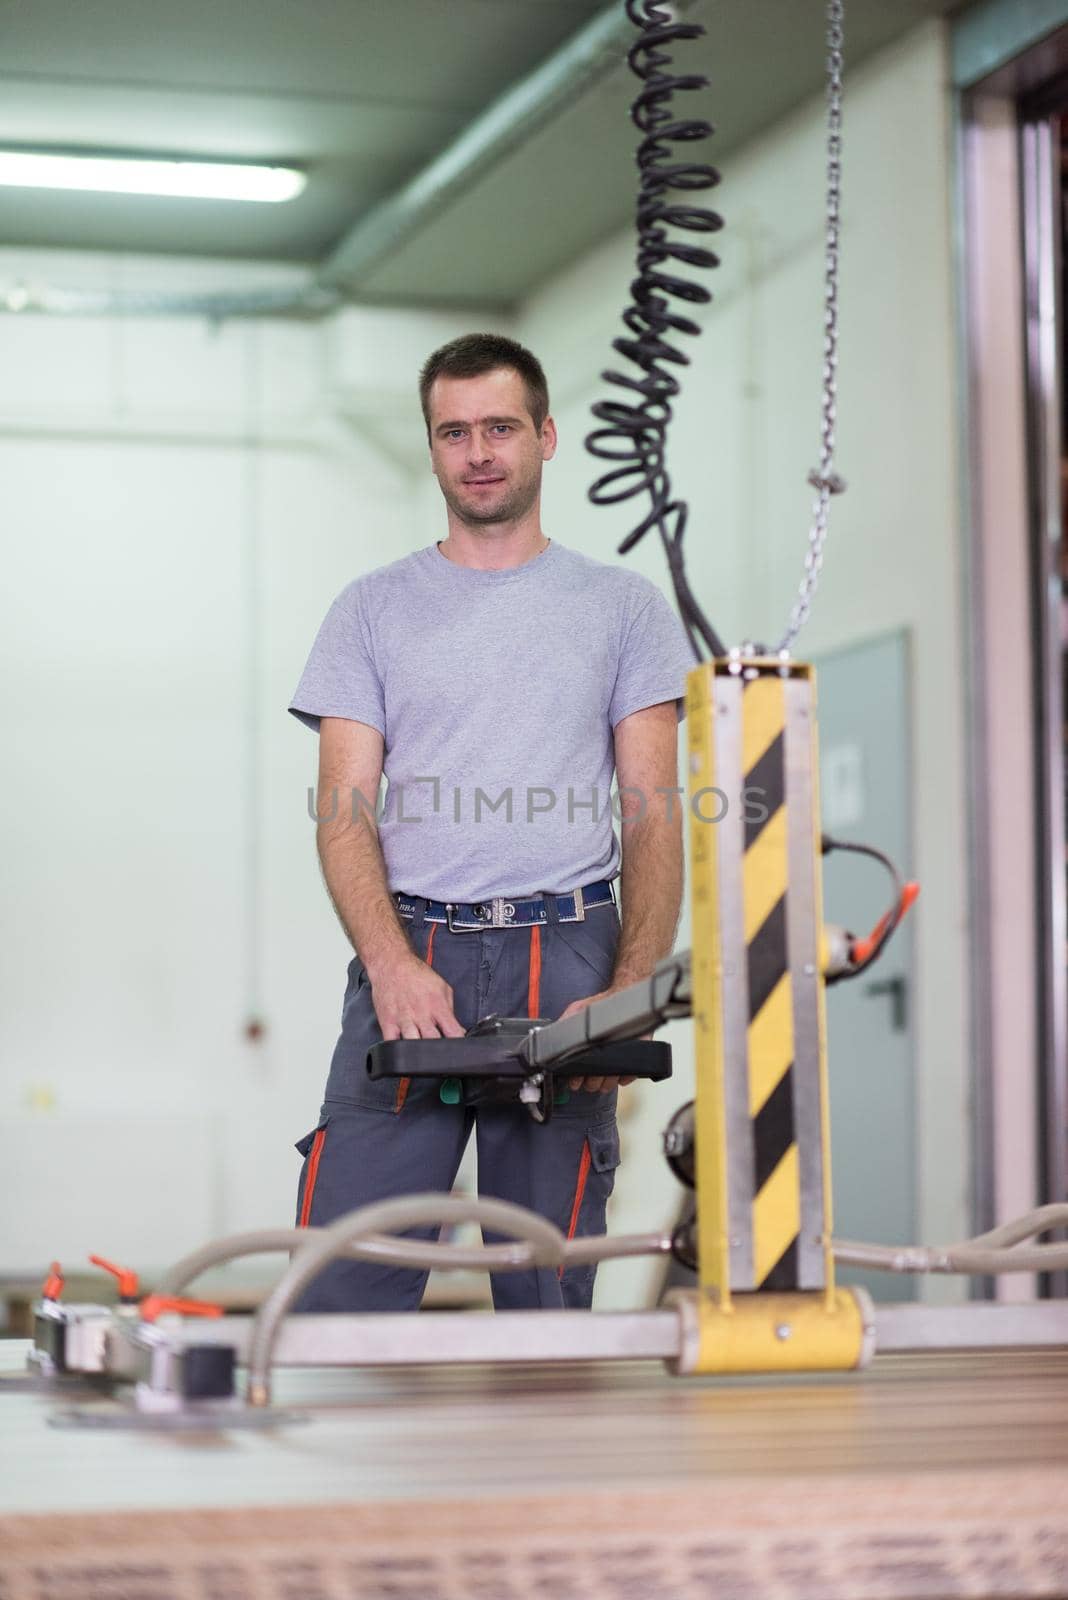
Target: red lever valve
point(127, 1280)
point(862, 948)
point(52, 1287)
point(154, 1305)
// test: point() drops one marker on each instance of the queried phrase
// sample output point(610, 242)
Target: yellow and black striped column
point(769, 1007)
point(761, 1070)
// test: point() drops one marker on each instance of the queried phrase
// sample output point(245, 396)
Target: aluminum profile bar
point(433, 1337)
point(515, 1337)
point(628, 1014)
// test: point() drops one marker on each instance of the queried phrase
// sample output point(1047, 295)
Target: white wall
point(180, 502)
point(745, 437)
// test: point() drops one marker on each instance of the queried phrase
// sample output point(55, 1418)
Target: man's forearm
point(355, 873)
point(651, 893)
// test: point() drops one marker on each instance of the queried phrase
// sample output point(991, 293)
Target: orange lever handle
point(863, 948)
point(52, 1287)
point(127, 1280)
point(154, 1305)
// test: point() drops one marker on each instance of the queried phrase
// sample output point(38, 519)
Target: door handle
point(896, 989)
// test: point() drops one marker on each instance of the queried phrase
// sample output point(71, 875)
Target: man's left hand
point(593, 1085)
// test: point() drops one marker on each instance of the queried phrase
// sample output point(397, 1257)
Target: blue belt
point(501, 912)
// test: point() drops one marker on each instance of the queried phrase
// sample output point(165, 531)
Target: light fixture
point(192, 180)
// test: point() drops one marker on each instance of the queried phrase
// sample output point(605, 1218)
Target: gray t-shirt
point(496, 694)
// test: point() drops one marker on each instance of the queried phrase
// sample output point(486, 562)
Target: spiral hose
point(634, 435)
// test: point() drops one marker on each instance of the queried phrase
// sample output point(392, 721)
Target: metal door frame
point(1008, 273)
point(1043, 225)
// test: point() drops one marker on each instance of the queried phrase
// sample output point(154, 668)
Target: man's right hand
point(412, 1001)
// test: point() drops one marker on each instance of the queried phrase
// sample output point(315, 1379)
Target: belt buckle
point(454, 927)
point(580, 907)
point(502, 912)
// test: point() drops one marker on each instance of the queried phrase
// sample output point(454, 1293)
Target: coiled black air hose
point(634, 437)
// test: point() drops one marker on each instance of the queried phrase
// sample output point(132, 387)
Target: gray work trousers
point(382, 1138)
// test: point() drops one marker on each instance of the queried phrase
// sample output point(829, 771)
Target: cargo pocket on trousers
point(595, 1180)
point(603, 1141)
point(311, 1148)
point(604, 1152)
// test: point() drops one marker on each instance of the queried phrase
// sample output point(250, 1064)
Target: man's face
point(485, 451)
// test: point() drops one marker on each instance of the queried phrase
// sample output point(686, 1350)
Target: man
point(494, 676)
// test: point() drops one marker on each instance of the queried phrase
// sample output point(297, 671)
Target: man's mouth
point(481, 482)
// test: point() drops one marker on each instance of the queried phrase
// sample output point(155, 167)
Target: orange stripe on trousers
point(312, 1174)
point(580, 1190)
point(534, 972)
point(404, 1084)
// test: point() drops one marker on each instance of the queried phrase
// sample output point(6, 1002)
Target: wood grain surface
point(925, 1476)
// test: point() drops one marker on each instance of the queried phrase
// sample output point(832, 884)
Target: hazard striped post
point(762, 1167)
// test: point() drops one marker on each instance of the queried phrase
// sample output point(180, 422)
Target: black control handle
point(487, 1056)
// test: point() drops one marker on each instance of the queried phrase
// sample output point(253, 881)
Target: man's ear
point(548, 439)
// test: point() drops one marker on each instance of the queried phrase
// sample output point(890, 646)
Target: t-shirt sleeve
point(340, 678)
point(654, 660)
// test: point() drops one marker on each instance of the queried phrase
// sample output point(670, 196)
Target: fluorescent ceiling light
point(193, 180)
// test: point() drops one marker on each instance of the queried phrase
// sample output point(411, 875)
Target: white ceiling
point(363, 93)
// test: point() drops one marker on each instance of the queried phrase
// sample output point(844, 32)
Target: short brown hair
point(473, 354)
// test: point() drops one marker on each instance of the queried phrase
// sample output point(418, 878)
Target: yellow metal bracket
point(766, 1298)
point(792, 1332)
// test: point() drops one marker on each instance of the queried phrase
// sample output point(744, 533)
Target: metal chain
point(823, 478)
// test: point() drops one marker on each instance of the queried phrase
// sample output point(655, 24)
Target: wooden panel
point(926, 1476)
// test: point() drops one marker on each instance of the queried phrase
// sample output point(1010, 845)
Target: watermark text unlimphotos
point(421, 798)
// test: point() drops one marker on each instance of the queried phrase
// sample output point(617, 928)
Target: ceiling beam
point(507, 123)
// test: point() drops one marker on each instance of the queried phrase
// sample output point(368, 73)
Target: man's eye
point(501, 427)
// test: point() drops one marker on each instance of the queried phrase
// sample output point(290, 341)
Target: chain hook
point(823, 478)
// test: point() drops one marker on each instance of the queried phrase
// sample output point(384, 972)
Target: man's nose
point(479, 449)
